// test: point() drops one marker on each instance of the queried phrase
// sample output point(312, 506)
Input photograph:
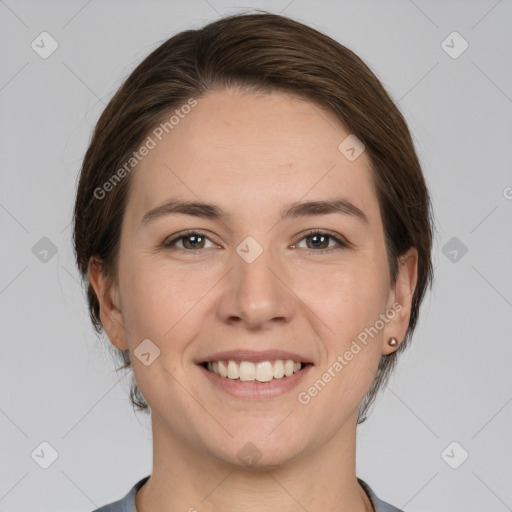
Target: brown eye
point(190, 241)
point(320, 241)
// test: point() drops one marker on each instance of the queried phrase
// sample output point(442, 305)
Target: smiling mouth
point(247, 371)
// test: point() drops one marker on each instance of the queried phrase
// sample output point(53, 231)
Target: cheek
point(164, 305)
point(352, 345)
point(156, 296)
point(143, 304)
point(351, 299)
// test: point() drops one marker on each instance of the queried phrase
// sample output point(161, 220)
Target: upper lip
point(253, 356)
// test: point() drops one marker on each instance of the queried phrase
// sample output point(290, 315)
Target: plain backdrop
point(451, 396)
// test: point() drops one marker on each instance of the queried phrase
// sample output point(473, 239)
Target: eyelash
point(170, 243)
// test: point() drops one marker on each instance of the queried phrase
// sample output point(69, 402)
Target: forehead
point(251, 154)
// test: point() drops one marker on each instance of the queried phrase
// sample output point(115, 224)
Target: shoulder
point(378, 504)
point(127, 503)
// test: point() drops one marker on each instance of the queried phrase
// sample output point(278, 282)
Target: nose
point(257, 293)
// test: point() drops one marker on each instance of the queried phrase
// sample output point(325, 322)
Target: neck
point(185, 478)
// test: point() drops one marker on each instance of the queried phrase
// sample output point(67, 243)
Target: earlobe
point(110, 313)
point(401, 301)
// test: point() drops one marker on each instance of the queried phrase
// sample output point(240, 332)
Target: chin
point(256, 450)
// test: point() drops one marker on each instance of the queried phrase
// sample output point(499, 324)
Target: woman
point(254, 229)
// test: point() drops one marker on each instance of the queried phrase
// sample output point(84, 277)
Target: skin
point(252, 155)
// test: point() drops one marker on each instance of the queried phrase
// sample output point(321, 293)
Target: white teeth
point(288, 367)
point(223, 369)
point(278, 369)
point(247, 370)
point(263, 371)
point(233, 370)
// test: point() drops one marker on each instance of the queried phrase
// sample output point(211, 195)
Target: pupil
point(318, 237)
point(194, 239)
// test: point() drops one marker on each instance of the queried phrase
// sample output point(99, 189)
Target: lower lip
point(254, 389)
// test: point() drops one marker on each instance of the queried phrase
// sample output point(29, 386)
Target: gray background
point(57, 382)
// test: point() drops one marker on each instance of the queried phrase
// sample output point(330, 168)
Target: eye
point(190, 240)
point(320, 242)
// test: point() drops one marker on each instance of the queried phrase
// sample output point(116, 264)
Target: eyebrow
point(293, 210)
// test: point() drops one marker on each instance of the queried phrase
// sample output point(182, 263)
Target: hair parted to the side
point(258, 52)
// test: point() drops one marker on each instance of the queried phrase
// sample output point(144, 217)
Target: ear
point(111, 315)
point(400, 299)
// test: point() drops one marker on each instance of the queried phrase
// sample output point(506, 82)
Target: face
point(254, 278)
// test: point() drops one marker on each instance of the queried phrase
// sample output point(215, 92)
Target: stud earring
point(393, 342)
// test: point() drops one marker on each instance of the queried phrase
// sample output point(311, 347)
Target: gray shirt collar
point(127, 503)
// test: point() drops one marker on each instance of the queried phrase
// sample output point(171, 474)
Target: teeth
point(247, 370)
point(223, 369)
point(264, 371)
point(278, 369)
point(233, 370)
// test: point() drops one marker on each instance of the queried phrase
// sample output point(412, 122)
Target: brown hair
point(256, 53)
